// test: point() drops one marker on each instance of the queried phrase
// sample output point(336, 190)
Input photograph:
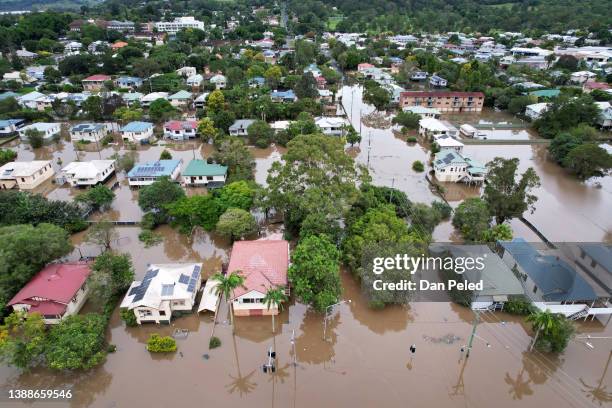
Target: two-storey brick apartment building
point(445, 102)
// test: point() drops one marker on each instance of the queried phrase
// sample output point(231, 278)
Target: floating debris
point(205, 356)
point(180, 334)
point(376, 120)
point(447, 339)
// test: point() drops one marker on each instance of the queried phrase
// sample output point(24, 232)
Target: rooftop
point(203, 168)
point(158, 168)
point(136, 127)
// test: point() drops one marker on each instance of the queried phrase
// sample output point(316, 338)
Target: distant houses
point(201, 173)
point(145, 174)
point(240, 127)
point(59, 290)
point(46, 130)
point(95, 83)
point(535, 110)
point(437, 81)
point(332, 126)
point(445, 102)
point(180, 129)
point(165, 291)
point(88, 173)
point(10, 127)
point(25, 175)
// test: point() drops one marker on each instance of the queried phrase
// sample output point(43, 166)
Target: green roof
point(202, 168)
point(546, 93)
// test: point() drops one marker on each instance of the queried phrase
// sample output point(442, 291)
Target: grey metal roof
point(600, 253)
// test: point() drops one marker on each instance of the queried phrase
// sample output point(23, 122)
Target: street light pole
point(326, 313)
point(476, 321)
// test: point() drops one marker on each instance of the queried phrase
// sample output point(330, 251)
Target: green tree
point(315, 272)
point(157, 196)
point(239, 194)
point(236, 223)
point(161, 110)
point(353, 137)
point(408, 120)
point(274, 298)
point(552, 331)
point(562, 144)
point(22, 339)
point(472, 218)
point(165, 155)
point(588, 160)
point(98, 197)
point(161, 344)
point(34, 138)
point(111, 275)
point(207, 130)
point(25, 250)
point(237, 157)
point(215, 101)
point(7, 155)
point(102, 233)
point(93, 108)
point(306, 87)
point(376, 95)
point(226, 286)
point(507, 197)
point(501, 232)
point(260, 134)
point(195, 211)
point(77, 342)
point(128, 114)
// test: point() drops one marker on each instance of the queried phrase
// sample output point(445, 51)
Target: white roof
point(280, 124)
point(330, 121)
point(148, 292)
point(445, 141)
point(154, 96)
point(538, 107)
point(88, 169)
point(209, 296)
point(21, 169)
point(40, 126)
point(433, 125)
point(202, 97)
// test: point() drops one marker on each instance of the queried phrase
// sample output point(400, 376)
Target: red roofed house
point(59, 290)
point(264, 264)
point(364, 65)
point(180, 130)
point(443, 101)
point(95, 83)
point(591, 86)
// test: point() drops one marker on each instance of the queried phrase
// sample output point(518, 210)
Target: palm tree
point(226, 287)
point(275, 297)
point(545, 321)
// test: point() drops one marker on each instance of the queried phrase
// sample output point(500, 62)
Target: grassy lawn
point(332, 22)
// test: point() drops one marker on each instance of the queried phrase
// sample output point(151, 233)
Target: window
point(593, 264)
point(145, 313)
point(162, 312)
point(582, 253)
point(535, 289)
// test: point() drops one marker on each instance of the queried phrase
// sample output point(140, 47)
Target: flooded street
point(567, 209)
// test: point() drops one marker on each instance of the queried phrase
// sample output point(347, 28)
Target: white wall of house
point(94, 136)
point(72, 308)
point(138, 137)
point(202, 180)
point(146, 181)
point(253, 300)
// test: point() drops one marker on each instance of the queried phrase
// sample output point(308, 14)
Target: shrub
point(411, 139)
point(214, 342)
point(518, 306)
point(418, 166)
point(165, 155)
point(159, 344)
point(128, 316)
point(149, 238)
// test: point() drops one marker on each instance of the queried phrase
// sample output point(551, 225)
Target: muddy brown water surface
point(365, 360)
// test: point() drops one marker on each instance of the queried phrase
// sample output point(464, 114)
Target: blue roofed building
point(129, 82)
point(144, 174)
point(596, 259)
point(552, 283)
point(10, 127)
point(257, 82)
point(137, 132)
point(283, 96)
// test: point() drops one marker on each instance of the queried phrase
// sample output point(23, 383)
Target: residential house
point(219, 81)
point(26, 55)
point(445, 102)
point(90, 132)
point(283, 96)
point(47, 130)
point(195, 81)
point(146, 100)
point(535, 110)
point(182, 99)
point(263, 264)
point(395, 91)
point(498, 282)
point(10, 127)
point(431, 127)
point(325, 96)
point(467, 130)
point(37, 72)
point(131, 98)
point(118, 45)
point(418, 76)
point(332, 126)
point(451, 166)
point(121, 26)
point(580, 77)
point(437, 81)
point(180, 130)
point(313, 69)
point(269, 57)
point(164, 291)
point(59, 290)
point(95, 83)
point(202, 173)
point(551, 283)
point(145, 174)
point(200, 101)
point(128, 82)
point(280, 125)
point(596, 260)
point(72, 48)
point(445, 141)
point(25, 175)
point(186, 72)
point(88, 173)
point(604, 119)
point(137, 132)
point(363, 66)
point(240, 127)
point(321, 82)
point(33, 100)
point(17, 76)
point(257, 82)
point(98, 47)
point(590, 86)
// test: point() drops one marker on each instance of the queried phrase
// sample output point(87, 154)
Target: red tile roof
point(58, 283)
point(596, 85)
point(99, 77)
point(435, 94)
point(180, 125)
point(263, 263)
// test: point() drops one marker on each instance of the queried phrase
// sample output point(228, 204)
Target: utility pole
point(476, 321)
point(369, 147)
point(293, 347)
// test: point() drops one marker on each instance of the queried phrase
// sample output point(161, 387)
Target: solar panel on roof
point(184, 279)
point(133, 290)
point(196, 272)
point(192, 285)
point(151, 273)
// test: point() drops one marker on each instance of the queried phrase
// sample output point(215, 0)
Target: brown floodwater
point(364, 361)
point(566, 210)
